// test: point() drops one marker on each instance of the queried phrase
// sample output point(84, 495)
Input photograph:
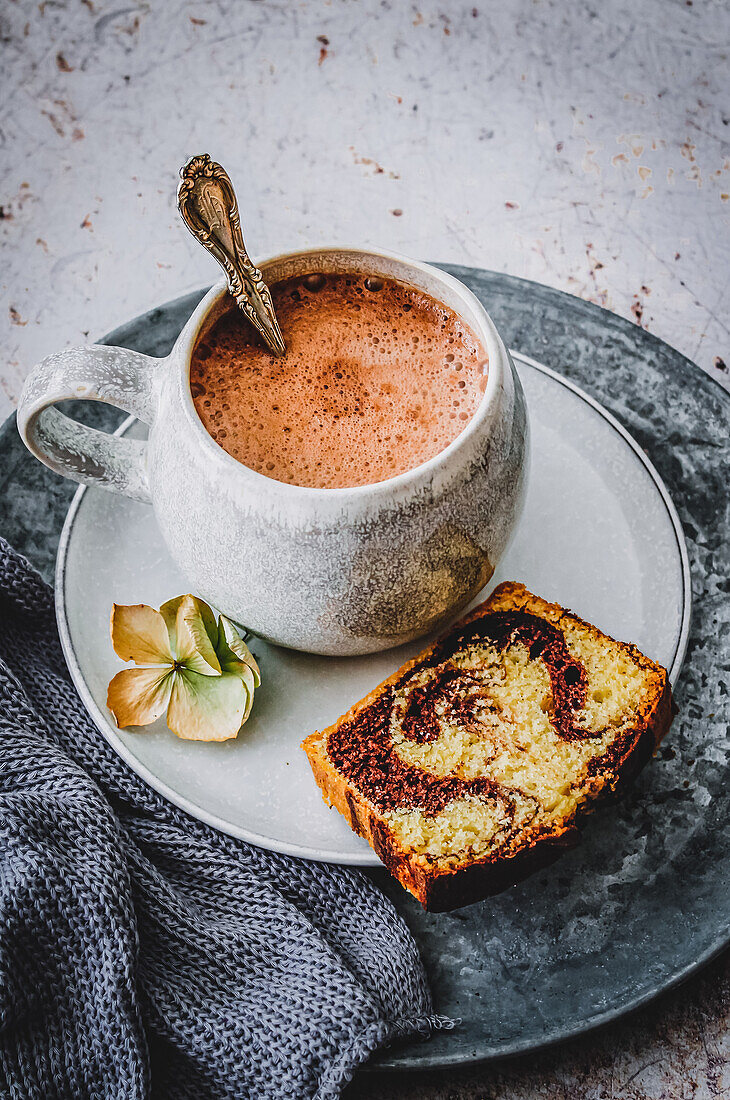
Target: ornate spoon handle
point(207, 202)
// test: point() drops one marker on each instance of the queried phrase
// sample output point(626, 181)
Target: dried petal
point(139, 634)
point(249, 683)
point(232, 649)
point(206, 708)
point(193, 634)
point(138, 696)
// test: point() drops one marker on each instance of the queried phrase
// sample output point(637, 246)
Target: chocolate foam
point(377, 379)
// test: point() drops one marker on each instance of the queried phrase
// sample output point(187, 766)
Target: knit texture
point(142, 953)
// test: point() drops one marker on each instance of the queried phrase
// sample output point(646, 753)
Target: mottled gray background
point(586, 149)
point(582, 145)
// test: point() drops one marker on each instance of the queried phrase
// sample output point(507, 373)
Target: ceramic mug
point(332, 571)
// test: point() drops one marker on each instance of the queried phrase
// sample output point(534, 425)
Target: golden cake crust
point(440, 887)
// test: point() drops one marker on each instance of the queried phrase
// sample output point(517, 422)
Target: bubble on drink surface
point(315, 281)
point(197, 389)
point(373, 283)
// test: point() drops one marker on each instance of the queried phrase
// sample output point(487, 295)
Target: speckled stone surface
point(646, 895)
point(580, 145)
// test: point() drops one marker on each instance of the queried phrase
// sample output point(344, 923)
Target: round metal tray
point(643, 902)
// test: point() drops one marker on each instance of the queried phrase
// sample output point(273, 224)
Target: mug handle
point(116, 376)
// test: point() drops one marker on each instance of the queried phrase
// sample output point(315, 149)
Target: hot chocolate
point(377, 378)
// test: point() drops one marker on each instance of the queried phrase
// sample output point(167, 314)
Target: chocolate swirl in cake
point(362, 749)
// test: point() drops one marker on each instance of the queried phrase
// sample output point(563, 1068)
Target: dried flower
point(201, 673)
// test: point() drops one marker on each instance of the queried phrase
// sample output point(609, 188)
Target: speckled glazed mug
point(334, 571)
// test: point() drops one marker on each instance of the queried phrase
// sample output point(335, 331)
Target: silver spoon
point(207, 203)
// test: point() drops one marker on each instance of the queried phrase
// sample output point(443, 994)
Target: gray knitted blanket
point(144, 954)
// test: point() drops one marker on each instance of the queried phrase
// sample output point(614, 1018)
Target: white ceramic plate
point(599, 534)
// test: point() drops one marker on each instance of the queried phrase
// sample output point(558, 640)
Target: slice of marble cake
point(469, 767)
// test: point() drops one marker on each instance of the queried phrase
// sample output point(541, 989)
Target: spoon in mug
point(207, 203)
